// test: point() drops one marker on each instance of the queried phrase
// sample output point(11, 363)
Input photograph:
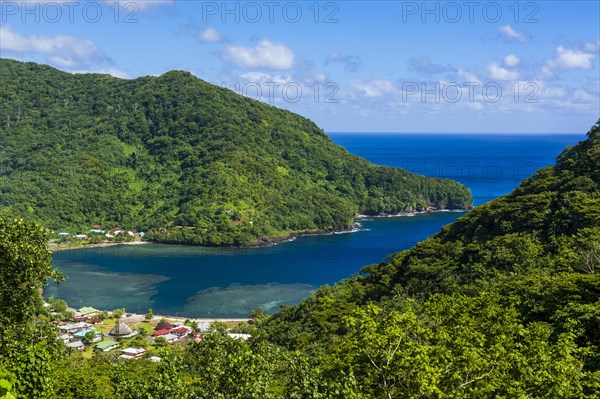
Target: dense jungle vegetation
point(184, 160)
point(503, 303)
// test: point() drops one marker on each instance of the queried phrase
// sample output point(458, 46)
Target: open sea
point(222, 282)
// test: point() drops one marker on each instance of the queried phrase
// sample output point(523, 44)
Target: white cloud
point(374, 88)
point(117, 73)
point(468, 76)
point(498, 72)
point(352, 63)
point(266, 54)
point(61, 50)
point(511, 60)
point(209, 35)
point(509, 33)
point(568, 59)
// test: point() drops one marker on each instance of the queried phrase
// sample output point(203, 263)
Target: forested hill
point(505, 302)
point(186, 160)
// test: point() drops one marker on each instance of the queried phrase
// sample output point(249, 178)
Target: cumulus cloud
point(511, 60)
point(424, 65)
point(209, 35)
point(117, 73)
point(266, 54)
point(351, 63)
point(61, 50)
point(498, 72)
point(510, 34)
point(568, 59)
point(374, 88)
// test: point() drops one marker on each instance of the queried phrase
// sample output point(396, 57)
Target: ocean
point(225, 282)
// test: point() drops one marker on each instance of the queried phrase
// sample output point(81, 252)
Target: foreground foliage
point(187, 160)
point(504, 303)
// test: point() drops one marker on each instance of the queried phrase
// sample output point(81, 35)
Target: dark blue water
point(205, 282)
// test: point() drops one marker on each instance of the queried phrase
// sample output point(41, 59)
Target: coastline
point(58, 248)
point(268, 241)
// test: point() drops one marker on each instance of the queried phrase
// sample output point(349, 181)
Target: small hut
point(122, 330)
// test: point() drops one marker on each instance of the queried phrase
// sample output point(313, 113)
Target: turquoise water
point(209, 282)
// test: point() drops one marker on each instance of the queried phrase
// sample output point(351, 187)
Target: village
point(133, 336)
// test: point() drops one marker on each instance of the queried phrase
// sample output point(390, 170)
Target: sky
point(350, 66)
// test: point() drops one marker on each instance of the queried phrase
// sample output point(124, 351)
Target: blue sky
point(384, 66)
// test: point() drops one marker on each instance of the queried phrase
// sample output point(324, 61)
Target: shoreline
point(58, 248)
point(409, 214)
point(263, 242)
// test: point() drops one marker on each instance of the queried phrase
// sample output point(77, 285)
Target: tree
point(89, 336)
point(26, 342)
point(149, 316)
point(58, 305)
point(161, 341)
point(118, 313)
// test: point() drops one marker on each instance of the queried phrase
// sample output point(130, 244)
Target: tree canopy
point(184, 160)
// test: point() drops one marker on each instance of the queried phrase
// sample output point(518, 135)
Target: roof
point(82, 333)
point(170, 337)
point(121, 329)
point(163, 325)
point(76, 344)
point(179, 330)
point(133, 351)
point(103, 345)
point(163, 331)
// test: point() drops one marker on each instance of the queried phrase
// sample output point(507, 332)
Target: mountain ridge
point(187, 161)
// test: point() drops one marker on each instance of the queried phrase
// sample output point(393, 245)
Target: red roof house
point(163, 331)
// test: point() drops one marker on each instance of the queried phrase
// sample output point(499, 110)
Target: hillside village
point(129, 336)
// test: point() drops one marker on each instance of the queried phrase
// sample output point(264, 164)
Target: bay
point(226, 282)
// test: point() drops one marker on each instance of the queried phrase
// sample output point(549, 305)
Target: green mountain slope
point(505, 302)
point(189, 161)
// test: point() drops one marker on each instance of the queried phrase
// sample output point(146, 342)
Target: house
point(106, 346)
point(122, 330)
point(163, 325)
point(76, 345)
point(66, 338)
point(97, 229)
point(81, 236)
point(95, 320)
point(74, 327)
point(88, 311)
point(81, 335)
point(133, 353)
point(117, 230)
point(63, 235)
point(171, 338)
point(154, 359)
point(163, 331)
point(181, 331)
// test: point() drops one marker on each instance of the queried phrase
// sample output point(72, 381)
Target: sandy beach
point(54, 247)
